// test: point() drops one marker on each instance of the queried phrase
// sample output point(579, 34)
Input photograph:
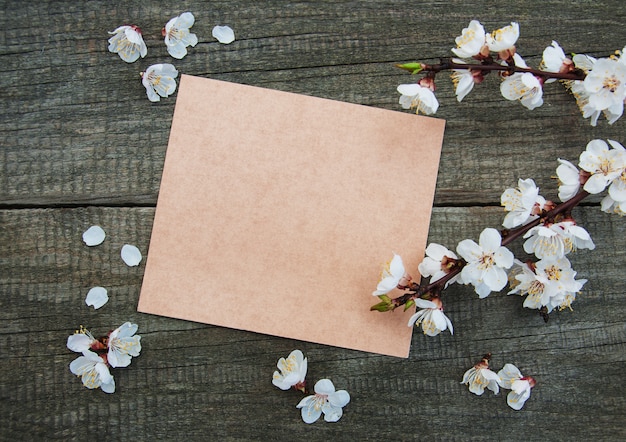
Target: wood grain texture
point(81, 145)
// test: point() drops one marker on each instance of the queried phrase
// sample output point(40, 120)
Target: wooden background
point(82, 145)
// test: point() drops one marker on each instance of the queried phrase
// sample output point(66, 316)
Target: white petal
point(131, 255)
point(79, 342)
point(97, 297)
point(94, 236)
point(340, 398)
point(324, 386)
point(223, 34)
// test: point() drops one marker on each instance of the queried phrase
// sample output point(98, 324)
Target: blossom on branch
point(439, 261)
point(523, 204)
point(556, 240)
point(128, 43)
point(471, 40)
point(177, 35)
point(555, 60)
point(523, 86)
point(606, 167)
point(420, 98)
point(325, 400)
point(292, 371)
point(569, 180)
point(431, 317)
point(486, 262)
point(391, 276)
point(503, 40)
point(519, 385)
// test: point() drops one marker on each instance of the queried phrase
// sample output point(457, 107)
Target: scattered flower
point(177, 35)
point(123, 344)
point(420, 98)
point(326, 400)
point(93, 371)
point(97, 297)
point(569, 180)
point(486, 262)
point(519, 385)
point(431, 317)
point(159, 81)
point(131, 255)
point(438, 262)
point(292, 372)
point(605, 166)
point(83, 340)
point(391, 276)
point(128, 43)
point(523, 204)
point(223, 34)
point(94, 236)
point(480, 377)
point(471, 40)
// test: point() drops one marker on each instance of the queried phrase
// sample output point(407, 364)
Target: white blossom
point(606, 84)
point(609, 205)
point(159, 81)
point(569, 180)
point(480, 377)
point(292, 371)
point(471, 40)
point(177, 35)
point(420, 98)
point(325, 400)
point(503, 38)
point(431, 317)
point(123, 344)
point(524, 87)
point(93, 371)
point(554, 60)
point(556, 240)
point(128, 43)
point(519, 385)
point(391, 275)
point(81, 341)
point(605, 165)
point(463, 80)
point(521, 203)
point(437, 262)
point(486, 262)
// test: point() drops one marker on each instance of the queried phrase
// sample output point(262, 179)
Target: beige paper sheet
point(277, 212)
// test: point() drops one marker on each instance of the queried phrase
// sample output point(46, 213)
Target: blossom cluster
point(481, 377)
point(159, 79)
point(326, 400)
point(115, 349)
point(598, 84)
point(550, 233)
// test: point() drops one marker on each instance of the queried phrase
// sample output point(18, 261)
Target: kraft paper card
point(277, 212)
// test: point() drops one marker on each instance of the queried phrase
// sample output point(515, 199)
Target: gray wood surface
point(81, 145)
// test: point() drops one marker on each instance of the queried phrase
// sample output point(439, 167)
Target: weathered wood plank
point(211, 382)
point(77, 128)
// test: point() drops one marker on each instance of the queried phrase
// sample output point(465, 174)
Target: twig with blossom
point(550, 232)
point(599, 85)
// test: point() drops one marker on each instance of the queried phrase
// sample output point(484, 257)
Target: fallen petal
point(131, 255)
point(97, 297)
point(224, 34)
point(94, 236)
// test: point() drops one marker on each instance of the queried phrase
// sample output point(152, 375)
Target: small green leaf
point(413, 68)
point(410, 303)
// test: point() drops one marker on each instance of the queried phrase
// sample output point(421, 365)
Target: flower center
point(486, 261)
point(611, 83)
